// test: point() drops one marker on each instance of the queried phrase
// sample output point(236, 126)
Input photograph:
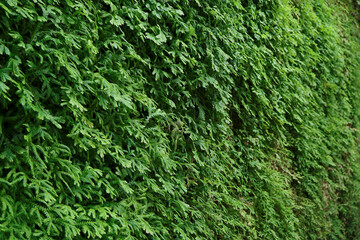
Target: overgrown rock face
point(179, 119)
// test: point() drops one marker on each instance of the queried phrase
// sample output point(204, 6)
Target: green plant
point(179, 119)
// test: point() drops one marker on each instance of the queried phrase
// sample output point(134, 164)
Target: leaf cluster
point(179, 119)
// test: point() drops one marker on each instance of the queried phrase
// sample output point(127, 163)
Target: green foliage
point(177, 119)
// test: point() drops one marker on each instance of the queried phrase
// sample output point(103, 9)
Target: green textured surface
point(179, 119)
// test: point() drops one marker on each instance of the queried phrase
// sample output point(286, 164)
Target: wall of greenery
point(179, 119)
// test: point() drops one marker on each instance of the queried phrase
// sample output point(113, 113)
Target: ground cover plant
point(179, 119)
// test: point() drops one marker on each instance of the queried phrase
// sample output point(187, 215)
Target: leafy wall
point(179, 119)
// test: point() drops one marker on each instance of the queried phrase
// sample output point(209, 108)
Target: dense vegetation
point(179, 119)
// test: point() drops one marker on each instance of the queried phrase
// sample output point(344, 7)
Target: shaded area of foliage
point(179, 119)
